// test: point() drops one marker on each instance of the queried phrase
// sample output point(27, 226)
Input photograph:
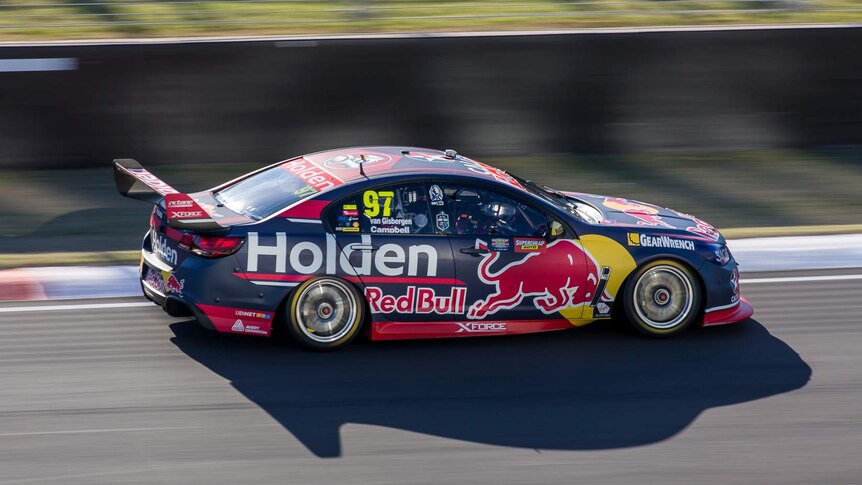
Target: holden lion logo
point(562, 276)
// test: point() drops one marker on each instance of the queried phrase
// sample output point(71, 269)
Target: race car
point(407, 243)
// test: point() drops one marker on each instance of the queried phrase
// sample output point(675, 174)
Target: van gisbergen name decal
point(647, 241)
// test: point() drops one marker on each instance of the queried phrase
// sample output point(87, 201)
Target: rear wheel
point(325, 313)
point(662, 298)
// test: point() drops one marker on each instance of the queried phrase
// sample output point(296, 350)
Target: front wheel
point(662, 298)
point(325, 313)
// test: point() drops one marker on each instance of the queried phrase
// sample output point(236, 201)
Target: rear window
point(264, 193)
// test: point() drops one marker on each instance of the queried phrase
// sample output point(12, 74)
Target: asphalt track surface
point(130, 395)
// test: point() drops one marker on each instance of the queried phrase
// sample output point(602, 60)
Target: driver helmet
point(499, 211)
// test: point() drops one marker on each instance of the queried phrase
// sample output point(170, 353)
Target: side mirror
point(557, 230)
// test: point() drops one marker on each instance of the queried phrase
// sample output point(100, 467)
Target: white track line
point(309, 40)
point(87, 306)
point(795, 279)
point(100, 306)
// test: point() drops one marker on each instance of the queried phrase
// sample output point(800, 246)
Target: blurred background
point(753, 123)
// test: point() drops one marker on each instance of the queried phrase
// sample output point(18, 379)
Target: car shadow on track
point(591, 388)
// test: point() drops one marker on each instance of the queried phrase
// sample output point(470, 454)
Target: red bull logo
point(563, 275)
point(645, 214)
point(703, 229)
point(173, 285)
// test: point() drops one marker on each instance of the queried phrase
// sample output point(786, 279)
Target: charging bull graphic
point(701, 228)
point(561, 276)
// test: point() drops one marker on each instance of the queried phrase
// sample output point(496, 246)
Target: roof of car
point(328, 169)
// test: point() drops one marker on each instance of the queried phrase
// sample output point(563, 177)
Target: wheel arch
point(282, 312)
point(660, 257)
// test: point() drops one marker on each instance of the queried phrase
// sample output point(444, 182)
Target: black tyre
point(325, 313)
point(662, 298)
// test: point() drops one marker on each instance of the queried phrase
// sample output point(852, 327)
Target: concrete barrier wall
point(599, 93)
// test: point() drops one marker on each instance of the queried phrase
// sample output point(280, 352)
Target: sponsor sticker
point(667, 242)
point(417, 300)
point(500, 244)
point(155, 280)
point(442, 220)
point(250, 314)
point(482, 327)
point(180, 203)
point(172, 284)
point(435, 193)
point(602, 310)
point(186, 214)
point(529, 245)
point(349, 210)
point(240, 327)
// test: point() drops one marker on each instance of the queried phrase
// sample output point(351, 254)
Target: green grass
point(23, 20)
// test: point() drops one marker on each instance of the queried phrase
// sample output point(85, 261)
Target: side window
point(390, 210)
point(479, 211)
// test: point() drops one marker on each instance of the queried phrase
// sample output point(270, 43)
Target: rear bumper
point(742, 310)
point(173, 304)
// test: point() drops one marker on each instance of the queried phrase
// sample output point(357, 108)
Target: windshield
point(582, 210)
point(262, 194)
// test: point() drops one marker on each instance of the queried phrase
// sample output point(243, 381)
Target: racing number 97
point(372, 200)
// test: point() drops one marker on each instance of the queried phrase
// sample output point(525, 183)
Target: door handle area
point(474, 251)
point(363, 247)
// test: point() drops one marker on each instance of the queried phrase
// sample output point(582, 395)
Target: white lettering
point(316, 257)
point(382, 259)
point(161, 248)
point(332, 258)
point(331, 248)
point(666, 242)
point(482, 327)
point(413, 259)
point(255, 250)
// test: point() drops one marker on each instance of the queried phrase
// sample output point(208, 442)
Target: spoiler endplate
point(136, 182)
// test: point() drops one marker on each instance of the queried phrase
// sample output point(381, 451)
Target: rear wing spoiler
point(136, 182)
